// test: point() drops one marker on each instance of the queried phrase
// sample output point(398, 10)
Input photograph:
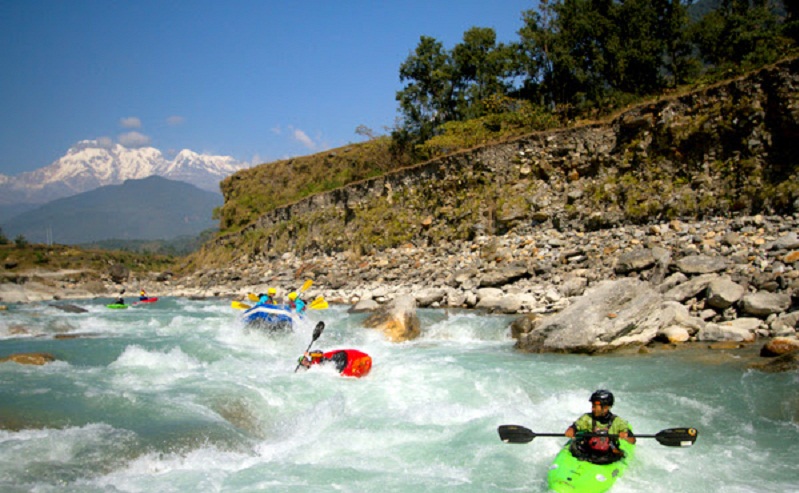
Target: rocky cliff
point(723, 150)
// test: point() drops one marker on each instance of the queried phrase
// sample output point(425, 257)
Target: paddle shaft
point(316, 333)
point(671, 437)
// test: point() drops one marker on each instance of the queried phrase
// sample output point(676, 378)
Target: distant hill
point(152, 208)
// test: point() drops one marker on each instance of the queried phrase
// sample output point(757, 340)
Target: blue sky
point(256, 80)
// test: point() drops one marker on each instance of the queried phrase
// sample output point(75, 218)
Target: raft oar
point(238, 305)
point(670, 437)
point(317, 331)
point(318, 304)
point(307, 284)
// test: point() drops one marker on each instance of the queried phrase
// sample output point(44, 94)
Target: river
point(179, 396)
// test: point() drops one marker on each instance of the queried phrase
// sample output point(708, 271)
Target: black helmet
point(604, 397)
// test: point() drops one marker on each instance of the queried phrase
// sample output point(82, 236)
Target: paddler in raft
point(296, 303)
point(597, 446)
point(268, 298)
point(348, 362)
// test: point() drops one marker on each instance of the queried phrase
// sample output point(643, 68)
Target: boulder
point(763, 303)
point(690, 288)
point(779, 346)
point(723, 293)
point(738, 330)
point(634, 261)
point(364, 305)
point(610, 315)
point(701, 264)
point(426, 297)
point(674, 334)
point(397, 319)
point(29, 358)
point(784, 363)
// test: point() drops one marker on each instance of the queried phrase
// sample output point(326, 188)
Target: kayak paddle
point(317, 331)
point(670, 437)
point(238, 305)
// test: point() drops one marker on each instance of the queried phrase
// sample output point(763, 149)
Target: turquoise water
point(178, 396)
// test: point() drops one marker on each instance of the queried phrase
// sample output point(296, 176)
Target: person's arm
point(627, 435)
point(624, 430)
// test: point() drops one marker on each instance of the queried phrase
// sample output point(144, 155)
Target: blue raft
point(274, 318)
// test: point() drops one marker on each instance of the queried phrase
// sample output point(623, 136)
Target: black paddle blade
point(515, 434)
point(317, 331)
point(677, 437)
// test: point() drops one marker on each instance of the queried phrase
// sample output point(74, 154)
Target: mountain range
point(91, 164)
point(152, 208)
point(98, 192)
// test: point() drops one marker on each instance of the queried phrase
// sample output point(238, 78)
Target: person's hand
point(626, 436)
point(569, 433)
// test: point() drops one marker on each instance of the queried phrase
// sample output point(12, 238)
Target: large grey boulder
point(723, 293)
point(701, 264)
point(609, 315)
point(763, 303)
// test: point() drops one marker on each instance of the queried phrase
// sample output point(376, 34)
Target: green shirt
point(585, 422)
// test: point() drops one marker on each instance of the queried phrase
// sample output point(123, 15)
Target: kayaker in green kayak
point(602, 426)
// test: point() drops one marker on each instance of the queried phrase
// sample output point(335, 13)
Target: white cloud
point(130, 122)
point(134, 139)
point(303, 138)
point(175, 120)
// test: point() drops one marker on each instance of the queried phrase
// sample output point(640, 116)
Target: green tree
point(740, 33)
point(578, 54)
point(428, 98)
point(533, 60)
point(681, 64)
point(3, 238)
point(635, 46)
point(791, 25)
point(481, 67)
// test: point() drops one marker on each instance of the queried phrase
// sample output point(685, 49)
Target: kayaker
point(119, 301)
point(142, 295)
point(600, 421)
point(348, 362)
point(295, 303)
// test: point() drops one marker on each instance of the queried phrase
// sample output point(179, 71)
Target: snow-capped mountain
point(89, 165)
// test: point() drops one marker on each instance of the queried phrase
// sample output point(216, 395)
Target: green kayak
point(116, 306)
point(570, 474)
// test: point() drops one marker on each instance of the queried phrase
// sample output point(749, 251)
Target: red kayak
point(348, 362)
point(151, 299)
point(358, 363)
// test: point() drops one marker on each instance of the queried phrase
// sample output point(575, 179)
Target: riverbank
point(734, 279)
